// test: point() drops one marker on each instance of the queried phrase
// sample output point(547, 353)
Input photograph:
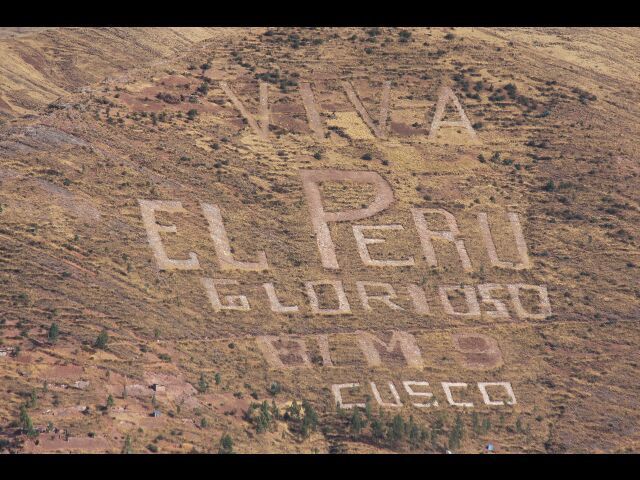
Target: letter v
point(260, 126)
point(378, 129)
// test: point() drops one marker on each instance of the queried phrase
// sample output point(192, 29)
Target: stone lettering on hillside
point(438, 243)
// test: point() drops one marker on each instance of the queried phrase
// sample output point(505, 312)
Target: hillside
point(191, 209)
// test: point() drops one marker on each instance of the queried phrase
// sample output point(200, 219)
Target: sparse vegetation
point(102, 340)
point(226, 444)
point(203, 385)
point(127, 448)
point(54, 332)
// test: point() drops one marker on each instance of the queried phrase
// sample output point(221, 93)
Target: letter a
point(445, 95)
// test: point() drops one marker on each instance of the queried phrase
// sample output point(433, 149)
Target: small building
point(155, 413)
point(81, 385)
point(6, 351)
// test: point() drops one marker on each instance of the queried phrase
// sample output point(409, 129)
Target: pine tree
point(226, 444)
point(25, 420)
point(310, 419)
point(110, 401)
point(486, 425)
point(263, 421)
point(454, 439)
point(414, 432)
point(127, 448)
point(475, 423)
point(397, 430)
point(459, 426)
point(377, 429)
point(368, 408)
point(357, 423)
point(102, 340)
point(293, 412)
point(275, 412)
point(203, 385)
point(457, 433)
point(33, 399)
point(54, 332)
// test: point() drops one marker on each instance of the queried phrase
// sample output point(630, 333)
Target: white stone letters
point(448, 235)
point(445, 95)
point(395, 404)
point(343, 304)
point(447, 386)
point(408, 386)
point(485, 396)
point(337, 395)
point(403, 341)
point(233, 302)
point(363, 241)
point(427, 398)
point(221, 243)
point(311, 180)
point(521, 246)
point(148, 209)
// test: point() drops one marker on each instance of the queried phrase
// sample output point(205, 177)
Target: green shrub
point(226, 444)
point(54, 332)
point(102, 340)
point(192, 114)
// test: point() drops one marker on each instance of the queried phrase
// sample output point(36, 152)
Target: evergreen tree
point(397, 430)
point(475, 423)
point(32, 402)
point(25, 421)
point(457, 433)
point(192, 114)
point(368, 408)
point(226, 444)
point(102, 340)
point(110, 401)
point(127, 448)
point(54, 332)
point(263, 421)
point(454, 440)
point(203, 385)
point(459, 426)
point(275, 412)
point(377, 428)
point(414, 432)
point(310, 419)
point(293, 412)
point(486, 425)
point(357, 423)
point(275, 388)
